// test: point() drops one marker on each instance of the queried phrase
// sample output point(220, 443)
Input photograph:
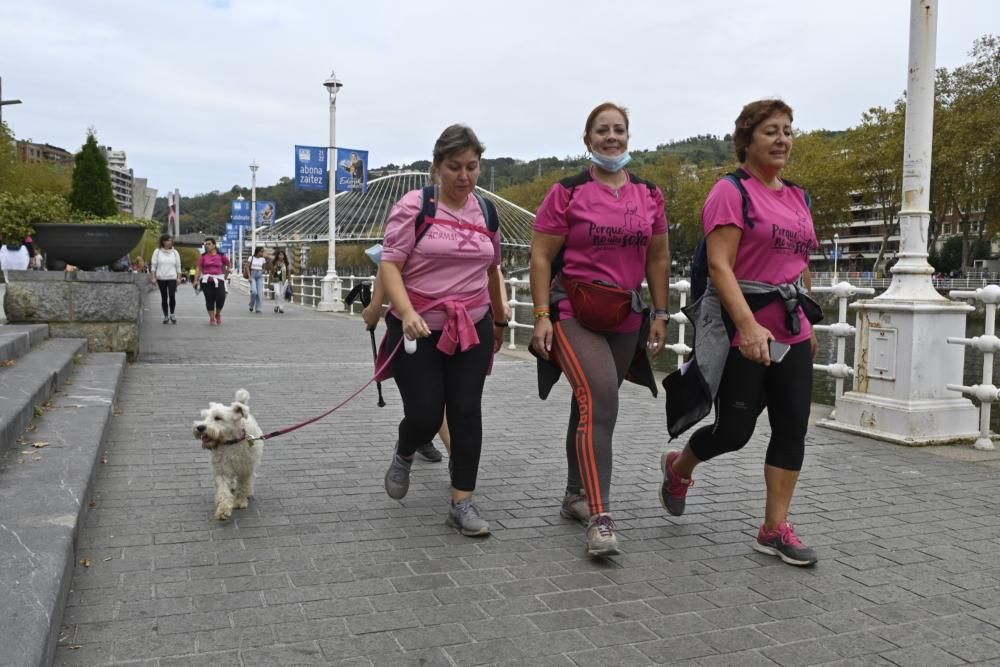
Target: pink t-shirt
point(607, 236)
point(447, 261)
point(776, 250)
point(214, 265)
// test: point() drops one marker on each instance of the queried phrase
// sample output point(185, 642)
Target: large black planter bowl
point(85, 246)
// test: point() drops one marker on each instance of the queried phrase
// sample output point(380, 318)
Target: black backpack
point(699, 262)
point(429, 210)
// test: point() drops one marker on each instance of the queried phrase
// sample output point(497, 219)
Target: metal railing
point(841, 330)
point(986, 392)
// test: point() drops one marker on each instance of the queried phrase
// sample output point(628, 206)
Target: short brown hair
point(753, 115)
point(455, 139)
point(592, 117)
point(165, 238)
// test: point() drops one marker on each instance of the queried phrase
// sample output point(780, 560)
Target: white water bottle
point(409, 344)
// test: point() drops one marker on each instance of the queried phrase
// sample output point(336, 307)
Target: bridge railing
point(842, 329)
point(988, 344)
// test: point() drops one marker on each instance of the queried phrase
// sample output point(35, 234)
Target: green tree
point(91, 190)
point(17, 177)
point(819, 163)
point(875, 157)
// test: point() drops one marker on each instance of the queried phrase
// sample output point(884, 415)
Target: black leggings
point(168, 295)
point(747, 387)
point(428, 380)
point(215, 295)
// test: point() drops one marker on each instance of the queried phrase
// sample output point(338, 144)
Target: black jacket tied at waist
point(692, 388)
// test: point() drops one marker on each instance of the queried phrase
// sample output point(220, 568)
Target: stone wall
point(103, 307)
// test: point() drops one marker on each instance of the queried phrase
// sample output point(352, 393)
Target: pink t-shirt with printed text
point(446, 261)
point(607, 236)
point(213, 265)
point(776, 250)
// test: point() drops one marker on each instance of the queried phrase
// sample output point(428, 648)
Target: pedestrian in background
point(213, 271)
point(256, 276)
point(166, 268)
point(281, 273)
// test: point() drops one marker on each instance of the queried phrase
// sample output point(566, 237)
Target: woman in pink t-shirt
point(604, 227)
point(446, 293)
point(210, 278)
point(772, 249)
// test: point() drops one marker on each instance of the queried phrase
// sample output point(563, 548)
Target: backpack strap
point(428, 209)
point(490, 214)
point(736, 178)
point(573, 182)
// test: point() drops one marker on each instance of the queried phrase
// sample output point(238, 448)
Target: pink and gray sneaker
point(784, 544)
point(673, 491)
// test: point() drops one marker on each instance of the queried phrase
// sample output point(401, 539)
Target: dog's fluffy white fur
point(233, 465)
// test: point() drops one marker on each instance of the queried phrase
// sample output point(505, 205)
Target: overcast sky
point(193, 90)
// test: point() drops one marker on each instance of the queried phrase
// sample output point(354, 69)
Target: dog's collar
point(243, 436)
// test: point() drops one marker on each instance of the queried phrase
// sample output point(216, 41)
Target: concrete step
point(44, 493)
point(17, 339)
point(31, 380)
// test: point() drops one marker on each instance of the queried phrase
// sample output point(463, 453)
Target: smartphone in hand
point(777, 350)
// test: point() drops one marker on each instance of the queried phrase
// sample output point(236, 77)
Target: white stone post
point(903, 363)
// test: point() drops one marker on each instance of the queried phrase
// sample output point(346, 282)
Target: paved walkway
point(323, 568)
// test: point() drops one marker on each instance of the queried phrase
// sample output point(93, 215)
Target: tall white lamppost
point(239, 239)
point(836, 254)
point(253, 206)
point(903, 362)
point(332, 299)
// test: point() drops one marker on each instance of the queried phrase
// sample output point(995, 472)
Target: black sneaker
point(429, 452)
point(166, 320)
point(784, 544)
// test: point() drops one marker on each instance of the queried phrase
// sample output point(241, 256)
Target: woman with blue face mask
point(596, 236)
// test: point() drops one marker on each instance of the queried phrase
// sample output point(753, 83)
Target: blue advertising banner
point(241, 213)
point(230, 229)
point(310, 168)
point(352, 170)
point(267, 212)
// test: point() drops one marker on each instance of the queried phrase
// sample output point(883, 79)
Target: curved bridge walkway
point(324, 568)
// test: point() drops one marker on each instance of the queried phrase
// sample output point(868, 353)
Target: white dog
point(232, 435)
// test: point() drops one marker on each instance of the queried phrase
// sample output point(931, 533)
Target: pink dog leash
point(329, 412)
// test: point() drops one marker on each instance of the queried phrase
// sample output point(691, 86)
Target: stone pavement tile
point(424, 658)
point(789, 608)
point(735, 639)
point(738, 659)
point(220, 659)
point(793, 629)
point(924, 655)
point(235, 638)
point(734, 617)
point(526, 604)
point(74, 614)
point(227, 601)
point(856, 644)
point(579, 599)
point(897, 612)
point(466, 594)
point(108, 631)
point(69, 654)
point(439, 635)
point(380, 622)
point(336, 607)
point(564, 620)
point(507, 627)
point(635, 610)
point(799, 654)
point(483, 653)
point(625, 656)
point(863, 661)
point(845, 620)
point(304, 653)
point(975, 648)
point(525, 587)
point(910, 634)
point(615, 634)
point(449, 613)
point(669, 651)
point(153, 646)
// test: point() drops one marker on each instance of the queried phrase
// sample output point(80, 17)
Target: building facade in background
point(28, 151)
point(121, 178)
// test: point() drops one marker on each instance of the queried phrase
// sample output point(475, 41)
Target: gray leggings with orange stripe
point(595, 364)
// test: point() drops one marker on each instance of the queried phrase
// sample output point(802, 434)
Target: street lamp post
point(4, 102)
point(332, 299)
point(836, 254)
point(253, 206)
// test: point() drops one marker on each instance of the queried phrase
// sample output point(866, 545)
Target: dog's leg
point(244, 489)
point(223, 498)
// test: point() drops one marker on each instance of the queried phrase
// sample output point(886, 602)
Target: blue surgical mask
point(612, 163)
